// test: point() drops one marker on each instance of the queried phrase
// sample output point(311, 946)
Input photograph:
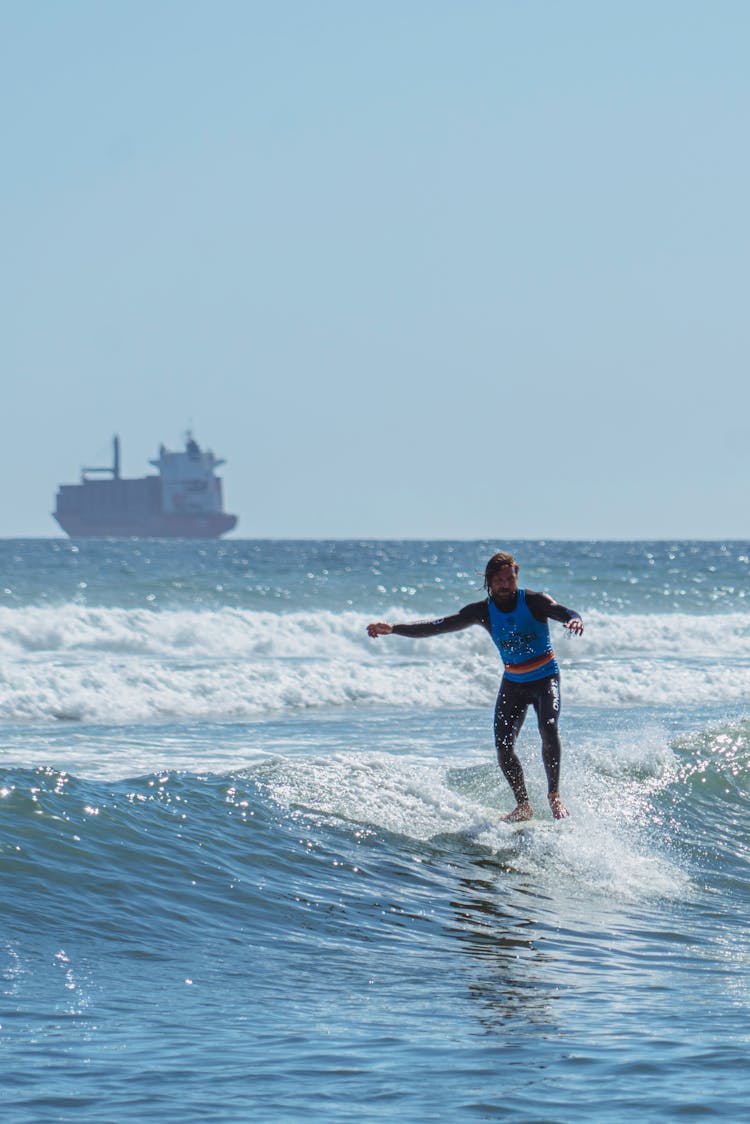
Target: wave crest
point(126, 665)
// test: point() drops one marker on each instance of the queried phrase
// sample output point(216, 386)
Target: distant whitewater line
point(225, 633)
point(135, 665)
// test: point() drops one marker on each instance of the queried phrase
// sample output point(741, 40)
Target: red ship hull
point(210, 526)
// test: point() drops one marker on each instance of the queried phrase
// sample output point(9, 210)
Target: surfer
point(517, 620)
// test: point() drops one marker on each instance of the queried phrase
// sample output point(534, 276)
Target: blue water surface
point(329, 921)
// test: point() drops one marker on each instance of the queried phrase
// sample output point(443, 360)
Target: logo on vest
point(518, 644)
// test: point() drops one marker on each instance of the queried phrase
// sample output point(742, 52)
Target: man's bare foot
point(559, 811)
point(522, 811)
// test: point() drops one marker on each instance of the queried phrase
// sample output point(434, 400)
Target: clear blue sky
point(415, 268)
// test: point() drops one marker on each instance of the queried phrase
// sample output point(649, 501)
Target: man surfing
point(517, 620)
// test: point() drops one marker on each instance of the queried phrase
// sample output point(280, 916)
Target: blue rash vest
point(523, 642)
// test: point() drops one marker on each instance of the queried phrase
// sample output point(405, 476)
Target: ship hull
point(209, 526)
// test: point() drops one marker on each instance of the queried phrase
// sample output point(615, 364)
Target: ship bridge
point(188, 483)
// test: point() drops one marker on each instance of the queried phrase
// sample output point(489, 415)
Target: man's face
point(504, 583)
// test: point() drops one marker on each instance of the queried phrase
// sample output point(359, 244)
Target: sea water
point(253, 863)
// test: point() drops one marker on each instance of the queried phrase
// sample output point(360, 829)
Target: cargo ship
point(183, 501)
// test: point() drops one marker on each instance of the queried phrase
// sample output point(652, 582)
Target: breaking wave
point(126, 665)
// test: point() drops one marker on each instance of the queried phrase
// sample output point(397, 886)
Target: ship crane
point(113, 470)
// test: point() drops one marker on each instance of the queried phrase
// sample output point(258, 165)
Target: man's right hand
point(379, 629)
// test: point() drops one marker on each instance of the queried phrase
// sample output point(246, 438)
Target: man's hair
point(498, 562)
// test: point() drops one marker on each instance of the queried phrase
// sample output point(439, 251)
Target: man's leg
point(547, 707)
point(510, 711)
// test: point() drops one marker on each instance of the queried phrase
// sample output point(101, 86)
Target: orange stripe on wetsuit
point(530, 665)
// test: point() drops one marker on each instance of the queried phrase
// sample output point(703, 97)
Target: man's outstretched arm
point(543, 607)
point(470, 614)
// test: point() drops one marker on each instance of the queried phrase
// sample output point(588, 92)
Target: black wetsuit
point(513, 698)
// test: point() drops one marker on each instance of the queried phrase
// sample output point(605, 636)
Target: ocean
point(253, 865)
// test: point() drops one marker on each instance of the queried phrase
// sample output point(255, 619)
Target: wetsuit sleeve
point(543, 608)
point(470, 614)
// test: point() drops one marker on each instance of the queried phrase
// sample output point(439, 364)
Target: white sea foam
point(138, 665)
point(592, 852)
